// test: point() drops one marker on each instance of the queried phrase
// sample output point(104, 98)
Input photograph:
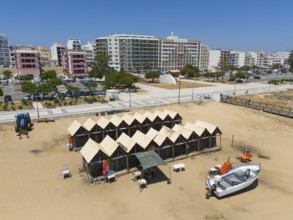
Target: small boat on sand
point(235, 180)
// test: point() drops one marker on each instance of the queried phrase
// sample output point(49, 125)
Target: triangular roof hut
point(213, 129)
point(126, 142)
point(90, 150)
point(142, 140)
point(89, 124)
point(74, 127)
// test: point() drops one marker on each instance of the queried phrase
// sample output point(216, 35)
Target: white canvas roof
point(161, 115)
point(173, 135)
point(198, 130)
point(164, 131)
point(89, 124)
point(152, 133)
point(73, 128)
point(210, 127)
point(103, 122)
point(125, 142)
point(139, 117)
point(116, 120)
point(141, 139)
point(89, 150)
point(183, 131)
point(108, 146)
point(172, 114)
point(128, 119)
point(150, 116)
point(159, 139)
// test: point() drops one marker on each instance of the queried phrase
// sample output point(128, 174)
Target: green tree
point(50, 74)
point(152, 75)
point(28, 87)
point(119, 78)
point(1, 92)
point(190, 71)
point(241, 75)
point(54, 81)
point(245, 68)
point(44, 88)
point(7, 74)
point(100, 66)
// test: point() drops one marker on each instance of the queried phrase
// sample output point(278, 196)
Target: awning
point(149, 159)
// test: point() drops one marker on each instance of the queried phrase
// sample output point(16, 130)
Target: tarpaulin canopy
point(149, 159)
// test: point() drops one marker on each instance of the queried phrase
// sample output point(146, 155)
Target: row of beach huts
point(114, 141)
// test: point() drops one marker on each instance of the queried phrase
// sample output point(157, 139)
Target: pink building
point(74, 62)
point(27, 62)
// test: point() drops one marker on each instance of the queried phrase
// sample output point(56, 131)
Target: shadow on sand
point(158, 177)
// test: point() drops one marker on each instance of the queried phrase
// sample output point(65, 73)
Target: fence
point(269, 108)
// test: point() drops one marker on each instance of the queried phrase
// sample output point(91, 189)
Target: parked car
point(257, 77)
point(27, 97)
point(46, 96)
point(37, 97)
point(238, 81)
point(7, 98)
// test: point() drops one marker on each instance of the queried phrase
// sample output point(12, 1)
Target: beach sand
point(32, 187)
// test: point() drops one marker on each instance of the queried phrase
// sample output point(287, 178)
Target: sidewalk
point(38, 105)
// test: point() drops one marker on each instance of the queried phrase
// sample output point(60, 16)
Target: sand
point(32, 187)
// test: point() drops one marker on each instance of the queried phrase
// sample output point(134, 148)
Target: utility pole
point(129, 98)
point(179, 93)
point(38, 109)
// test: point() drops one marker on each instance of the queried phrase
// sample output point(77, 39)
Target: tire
point(16, 128)
point(29, 127)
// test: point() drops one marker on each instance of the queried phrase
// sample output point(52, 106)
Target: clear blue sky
point(231, 24)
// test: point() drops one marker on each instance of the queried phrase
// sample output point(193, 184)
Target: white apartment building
point(175, 53)
point(73, 44)
point(263, 59)
point(56, 54)
point(280, 57)
point(250, 58)
point(89, 49)
point(236, 58)
point(5, 59)
point(214, 59)
point(130, 52)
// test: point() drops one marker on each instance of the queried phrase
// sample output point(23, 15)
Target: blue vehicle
point(23, 121)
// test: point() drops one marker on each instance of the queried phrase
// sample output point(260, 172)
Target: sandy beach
point(32, 186)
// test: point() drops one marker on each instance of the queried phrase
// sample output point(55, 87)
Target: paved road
point(152, 97)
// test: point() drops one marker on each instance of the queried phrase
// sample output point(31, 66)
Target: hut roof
point(152, 133)
point(128, 119)
point(159, 139)
point(125, 142)
point(103, 122)
point(89, 150)
point(89, 124)
point(172, 114)
point(161, 115)
point(115, 120)
point(141, 139)
point(150, 116)
point(139, 117)
point(186, 133)
point(108, 146)
point(73, 128)
point(198, 130)
point(210, 127)
point(164, 131)
point(173, 135)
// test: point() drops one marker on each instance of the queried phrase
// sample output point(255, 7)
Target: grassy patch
point(183, 85)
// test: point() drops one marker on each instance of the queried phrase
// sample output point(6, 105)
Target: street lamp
point(193, 90)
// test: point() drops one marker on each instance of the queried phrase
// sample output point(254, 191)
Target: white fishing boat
point(235, 180)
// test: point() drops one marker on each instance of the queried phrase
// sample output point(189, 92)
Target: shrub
point(20, 107)
point(13, 108)
point(12, 103)
point(65, 103)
